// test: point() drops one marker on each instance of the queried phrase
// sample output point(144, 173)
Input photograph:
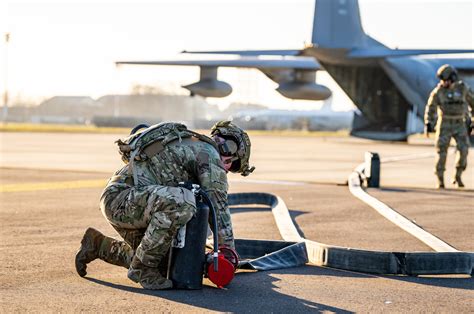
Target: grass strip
point(64, 128)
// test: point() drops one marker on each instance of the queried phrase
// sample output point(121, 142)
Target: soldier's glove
point(187, 185)
point(429, 128)
point(469, 125)
point(199, 193)
point(195, 188)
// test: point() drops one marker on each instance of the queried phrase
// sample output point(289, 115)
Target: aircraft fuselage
point(383, 89)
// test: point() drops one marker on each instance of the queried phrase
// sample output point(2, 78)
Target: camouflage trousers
point(146, 217)
point(446, 130)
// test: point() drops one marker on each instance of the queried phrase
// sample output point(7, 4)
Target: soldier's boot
point(440, 183)
point(89, 250)
point(457, 178)
point(147, 277)
point(96, 245)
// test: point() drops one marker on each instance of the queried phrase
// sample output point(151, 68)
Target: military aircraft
point(389, 86)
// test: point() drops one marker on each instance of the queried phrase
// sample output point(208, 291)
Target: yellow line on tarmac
point(59, 185)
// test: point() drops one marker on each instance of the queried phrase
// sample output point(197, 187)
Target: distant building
point(163, 107)
point(130, 110)
point(116, 110)
point(65, 109)
point(69, 106)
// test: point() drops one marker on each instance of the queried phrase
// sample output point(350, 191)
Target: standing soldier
point(146, 203)
point(450, 101)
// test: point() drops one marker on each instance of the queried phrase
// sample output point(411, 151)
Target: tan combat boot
point(89, 250)
point(457, 179)
point(96, 245)
point(440, 183)
point(147, 277)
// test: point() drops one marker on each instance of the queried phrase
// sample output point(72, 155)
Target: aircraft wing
point(280, 52)
point(295, 75)
point(381, 52)
point(372, 52)
point(302, 63)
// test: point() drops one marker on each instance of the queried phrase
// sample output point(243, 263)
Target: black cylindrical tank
point(187, 263)
point(372, 169)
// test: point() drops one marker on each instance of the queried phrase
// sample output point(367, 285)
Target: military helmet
point(447, 72)
point(237, 145)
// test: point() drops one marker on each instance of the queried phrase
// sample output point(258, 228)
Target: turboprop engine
point(303, 86)
point(208, 84)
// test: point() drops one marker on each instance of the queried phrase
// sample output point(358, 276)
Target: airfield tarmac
point(50, 189)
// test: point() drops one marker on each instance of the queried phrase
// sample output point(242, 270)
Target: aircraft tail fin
point(337, 24)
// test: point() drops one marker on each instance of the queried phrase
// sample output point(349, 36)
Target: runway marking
point(355, 187)
point(273, 182)
point(58, 185)
point(98, 183)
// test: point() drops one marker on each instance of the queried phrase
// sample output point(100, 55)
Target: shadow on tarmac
point(259, 291)
point(466, 283)
point(254, 292)
point(246, 209)
point(449, 192)
point(293, 215)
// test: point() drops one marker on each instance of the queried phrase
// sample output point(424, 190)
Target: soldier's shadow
point(248, 292)
point(461, 193)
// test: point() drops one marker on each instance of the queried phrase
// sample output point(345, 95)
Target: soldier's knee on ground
point(147, 277)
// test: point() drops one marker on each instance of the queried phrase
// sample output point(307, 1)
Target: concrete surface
point(42, 227)
point(311, 159)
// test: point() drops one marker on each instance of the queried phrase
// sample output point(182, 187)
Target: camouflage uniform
point(450, 105)
point(148, 215)
point(145, 203)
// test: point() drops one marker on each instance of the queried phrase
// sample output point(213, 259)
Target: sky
point(69, 47)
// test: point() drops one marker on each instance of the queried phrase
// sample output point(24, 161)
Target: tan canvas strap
point(153, 149)
point(130, 167)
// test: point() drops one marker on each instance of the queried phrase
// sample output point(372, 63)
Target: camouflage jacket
point(449, 103)
point(190, 160)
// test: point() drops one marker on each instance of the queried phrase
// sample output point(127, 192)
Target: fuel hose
point(212, 210)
